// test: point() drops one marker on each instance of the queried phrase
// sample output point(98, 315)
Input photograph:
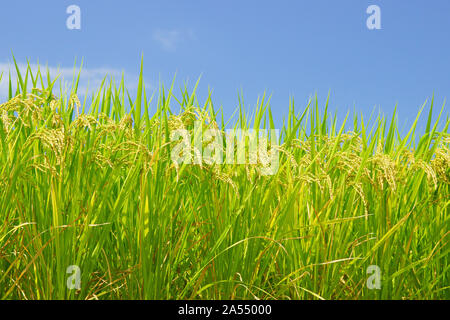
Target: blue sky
point(286, 48)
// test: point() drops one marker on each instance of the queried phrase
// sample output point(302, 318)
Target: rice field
point(356, 209)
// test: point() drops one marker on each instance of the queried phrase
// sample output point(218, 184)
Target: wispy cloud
point(90, 78)
point(170, 39)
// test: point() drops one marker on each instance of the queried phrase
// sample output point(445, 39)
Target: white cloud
point(90, 78)
point(169, 39)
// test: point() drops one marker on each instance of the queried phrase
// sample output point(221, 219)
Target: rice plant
point(92, 184)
